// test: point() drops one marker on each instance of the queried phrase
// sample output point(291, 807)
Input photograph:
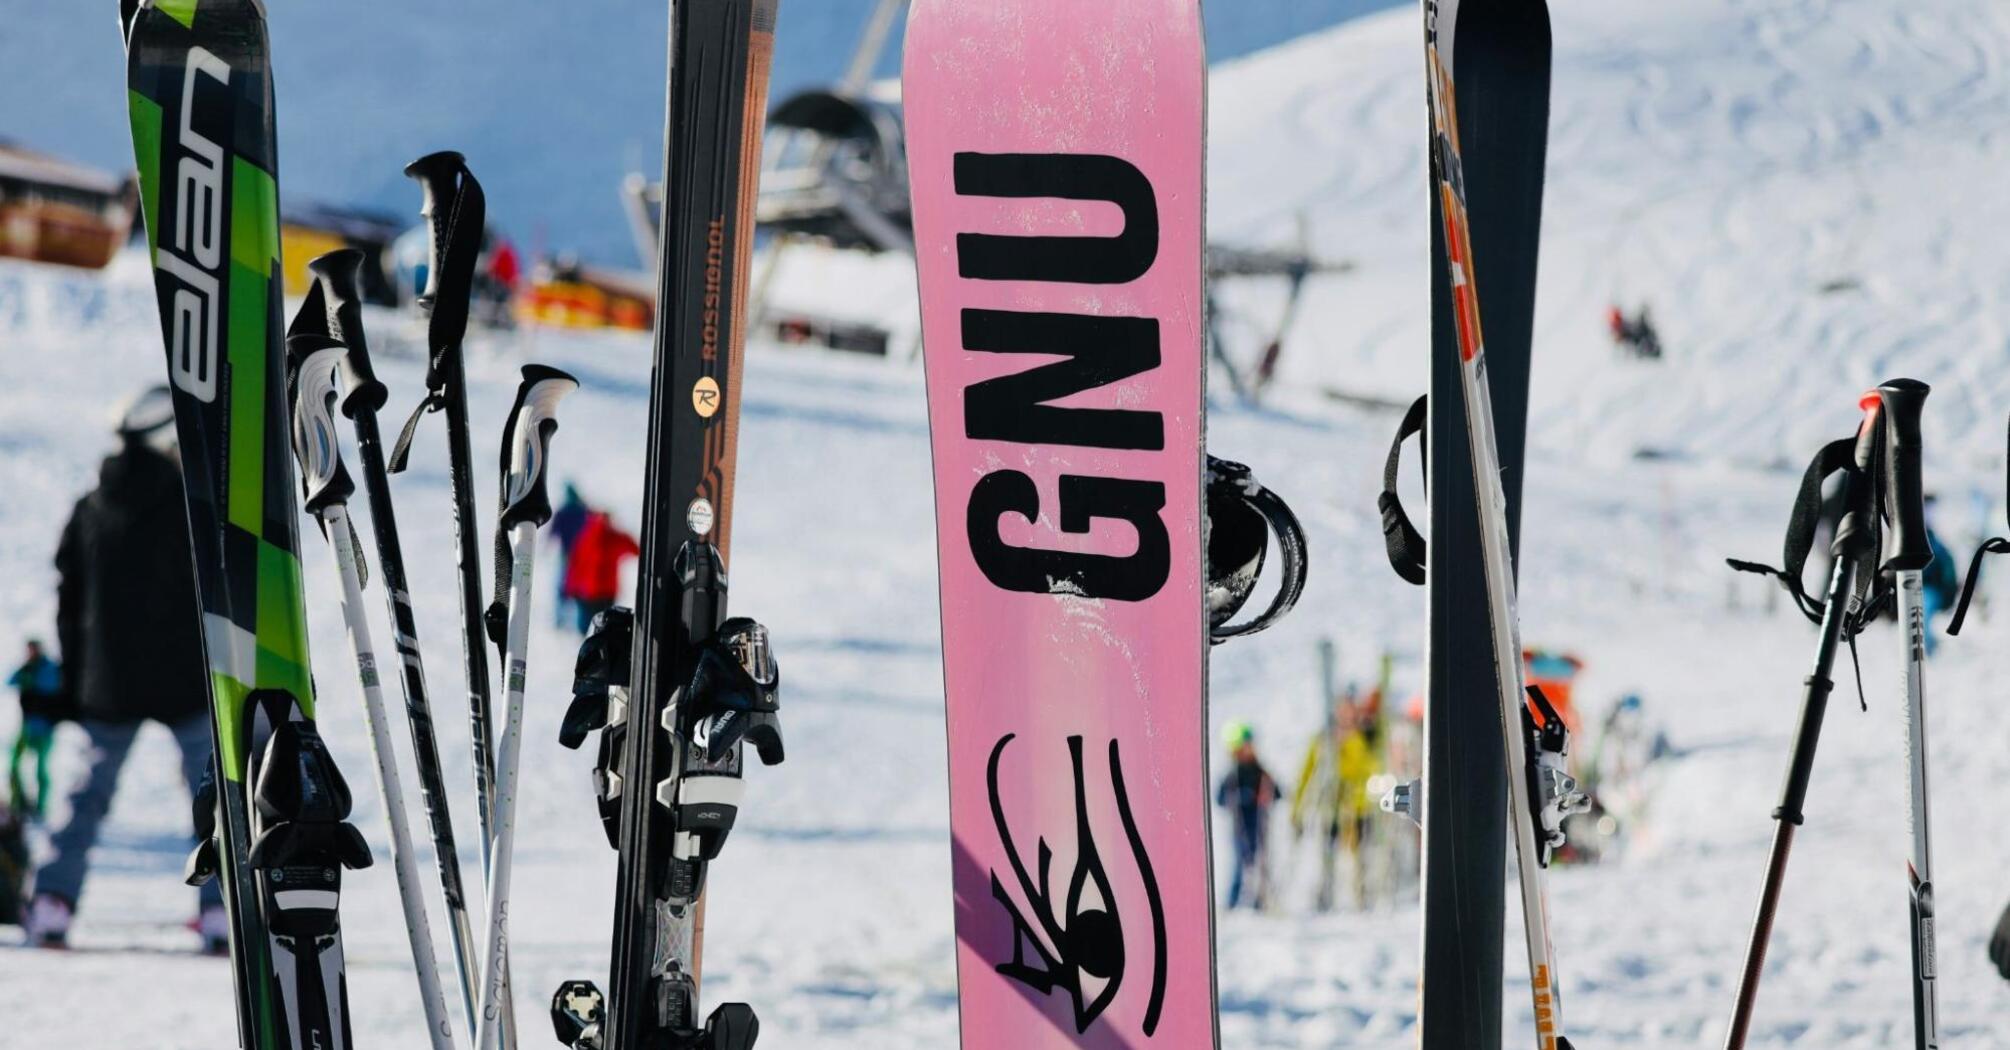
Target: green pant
point(37, 734)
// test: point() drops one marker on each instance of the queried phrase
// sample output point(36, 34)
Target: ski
point(1540, 791)
point(456, 212)
point(1058, 233)
point(274, 813)
point(334, 308)
point(313, 361)
point(694, 687)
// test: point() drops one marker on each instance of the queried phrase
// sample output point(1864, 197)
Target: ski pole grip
point(340, 274)
point(438, 174)
point(311, 363)
point(533, 421)
point(1905, 547)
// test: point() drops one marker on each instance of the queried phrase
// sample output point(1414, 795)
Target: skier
point(593, 569)
point(126, 617)
point(567, 521)
point(1942, 581)
point(39, 684)
point(1331, 796)
point(1637, 334)
point(1247, 792)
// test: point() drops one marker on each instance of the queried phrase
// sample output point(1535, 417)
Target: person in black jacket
point(130, 628)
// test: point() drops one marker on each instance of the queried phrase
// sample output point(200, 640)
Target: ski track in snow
point(1724, 159)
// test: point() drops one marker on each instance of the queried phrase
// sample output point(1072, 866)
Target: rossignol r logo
point(191, 249)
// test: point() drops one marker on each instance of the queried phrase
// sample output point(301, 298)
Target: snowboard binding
point(1242, 515)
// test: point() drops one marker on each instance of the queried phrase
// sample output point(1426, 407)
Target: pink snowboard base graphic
point(1056, 152)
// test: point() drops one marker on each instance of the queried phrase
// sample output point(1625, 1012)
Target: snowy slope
point(1725, 158)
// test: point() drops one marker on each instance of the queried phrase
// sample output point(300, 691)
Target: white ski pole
point(526, 505)
point(1905, 554)
point(312, 362)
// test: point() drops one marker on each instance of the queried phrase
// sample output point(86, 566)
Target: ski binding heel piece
point(1553, 792)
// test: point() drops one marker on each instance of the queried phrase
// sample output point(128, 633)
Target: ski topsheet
point(200, 94)
point(674, 802)
point(1056, 152)
point(1530, 774)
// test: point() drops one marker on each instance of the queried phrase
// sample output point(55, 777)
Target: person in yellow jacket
point(1331, 797)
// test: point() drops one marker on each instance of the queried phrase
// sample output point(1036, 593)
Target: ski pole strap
point(1405, 544)
point(1996, 545)
point(403, 449)
point(1835, 457)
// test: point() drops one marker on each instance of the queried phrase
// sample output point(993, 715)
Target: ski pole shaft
point(1800, 766)
point(495, 1001)
point(1919, 869)
point(312, 365)
point(339, 287)
point(342, 536)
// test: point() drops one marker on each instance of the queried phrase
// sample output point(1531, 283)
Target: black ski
point(698, 686)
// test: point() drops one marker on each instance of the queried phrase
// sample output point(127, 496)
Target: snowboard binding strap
point(1242, 515)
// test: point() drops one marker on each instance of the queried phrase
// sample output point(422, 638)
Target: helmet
point(145, 413)
point(1236, 734)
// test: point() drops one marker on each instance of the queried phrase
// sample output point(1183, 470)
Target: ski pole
point(456, 210)
point(334, 308)
point(312, 362)
point(527, 505)
point(1906, 554)
point(1851, 535)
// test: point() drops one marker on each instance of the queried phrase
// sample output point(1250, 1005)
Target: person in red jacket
point(593, 572)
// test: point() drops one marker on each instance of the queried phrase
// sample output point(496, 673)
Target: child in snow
point(1247, 792)
point(593, 572)
point(39, 684)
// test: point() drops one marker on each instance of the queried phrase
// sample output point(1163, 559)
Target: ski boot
point(1241, 516)
point(1553, 793)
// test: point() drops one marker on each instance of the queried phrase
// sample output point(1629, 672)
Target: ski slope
point(1727, 160)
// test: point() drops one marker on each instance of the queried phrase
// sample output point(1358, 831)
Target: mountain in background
point(552, 102)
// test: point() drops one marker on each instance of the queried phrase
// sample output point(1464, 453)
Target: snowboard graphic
point(1056, 152)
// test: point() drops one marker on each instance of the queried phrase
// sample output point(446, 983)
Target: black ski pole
point(1851, 534)
point(334, 307)
point(456, 211)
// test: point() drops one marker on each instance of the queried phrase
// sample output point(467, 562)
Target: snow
point(1726, 159)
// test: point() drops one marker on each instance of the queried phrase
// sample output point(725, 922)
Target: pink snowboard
point(1056, 151)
